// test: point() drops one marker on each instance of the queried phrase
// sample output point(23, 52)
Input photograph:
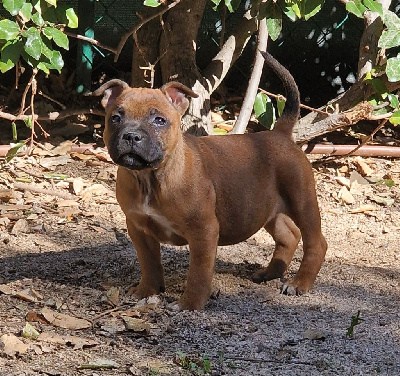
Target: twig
point(33, 90)
point(92, 41)
point(52, 100)
point(279, 96)
point(50, 192)
point(135, 29)
point(52, 115)
point(25, 93)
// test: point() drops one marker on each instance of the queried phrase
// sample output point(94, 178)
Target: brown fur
point(209, 191)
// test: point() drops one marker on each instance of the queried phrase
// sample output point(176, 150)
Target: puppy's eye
point(159, 121)
point(116, 119)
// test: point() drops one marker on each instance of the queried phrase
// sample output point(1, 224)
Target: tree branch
point(51, 116)
point(248, 103)
point(232, 49)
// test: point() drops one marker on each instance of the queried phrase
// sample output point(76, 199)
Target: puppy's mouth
point(134, 161)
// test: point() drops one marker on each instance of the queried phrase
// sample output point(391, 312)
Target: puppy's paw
point(143, 290)
point(293, 289)
point(191, 304)
point(266, 274)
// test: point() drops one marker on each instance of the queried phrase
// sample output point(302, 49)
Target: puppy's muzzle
point(136, 149)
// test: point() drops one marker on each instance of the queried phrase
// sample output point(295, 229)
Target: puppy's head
point(142, 125)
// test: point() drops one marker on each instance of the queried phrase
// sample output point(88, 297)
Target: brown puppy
point(207, 191)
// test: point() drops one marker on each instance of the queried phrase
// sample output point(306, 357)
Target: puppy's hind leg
point(314, 248)
point(287, 236)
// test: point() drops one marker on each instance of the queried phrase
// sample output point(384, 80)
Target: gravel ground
point(76, 259)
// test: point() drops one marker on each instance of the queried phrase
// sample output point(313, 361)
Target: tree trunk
point(147, 53)
point(178, 62)
point(173, 42)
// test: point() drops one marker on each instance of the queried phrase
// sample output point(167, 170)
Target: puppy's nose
point(133, 137)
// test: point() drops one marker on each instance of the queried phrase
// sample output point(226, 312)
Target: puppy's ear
point(110, 91)
point(176, 93)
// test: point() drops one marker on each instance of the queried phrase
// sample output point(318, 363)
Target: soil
point(72, 255)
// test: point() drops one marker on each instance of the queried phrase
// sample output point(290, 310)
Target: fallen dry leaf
point(63, 149)
point(11, 345)
point(6, 290)
point(35, 317)
point(64, 321)
point(362, 167)
point(100, 364)
point(346, 196)
point(136, 325)
point(50, 163)
point(77, 186)
point(30, 331)
point(343, 181)
point(386, 201)
point(67, 203)
point(112, 296)
point(21, 226)
point(75, 341)
point(26, 295)
point(363, 209)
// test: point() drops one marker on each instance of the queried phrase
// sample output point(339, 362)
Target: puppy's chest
point(150, 219)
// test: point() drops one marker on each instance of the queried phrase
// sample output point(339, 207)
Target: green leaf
point(296, 10)
point(72, 18)
point(312, 7)
point(56, 61)
point(356, 7)
point(287, 9)
point(151, 3)
point(374, 6)
point(60, 39)
point(8, 29)
point(14, 131)
point(394, 101)
point(264, 110)
point(26, 12)
point(33, 44)
point(379, 86)
point(52, 2)
point(219, 131)
point(272, 12)
point(13, 6)
point(43, 66)
point(389, 38)
point(10, 54)
point(393, 69)
point(391, 20)
point(28, 122)
point(280, 104)
point(38, 19)
point(232, 5)
point(395, 118)
point(14, 151)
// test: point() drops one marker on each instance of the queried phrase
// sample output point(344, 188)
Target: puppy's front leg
point(148, 253)
point(203, 249)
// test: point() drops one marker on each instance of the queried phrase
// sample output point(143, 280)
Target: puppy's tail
point(291, 112)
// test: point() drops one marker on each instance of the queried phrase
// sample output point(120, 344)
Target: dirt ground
point(69, 254)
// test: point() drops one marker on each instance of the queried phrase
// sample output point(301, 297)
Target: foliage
point(195, 365)
point(355, 320)
point(389, 40)
point(387, 102)
point(34, 32)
